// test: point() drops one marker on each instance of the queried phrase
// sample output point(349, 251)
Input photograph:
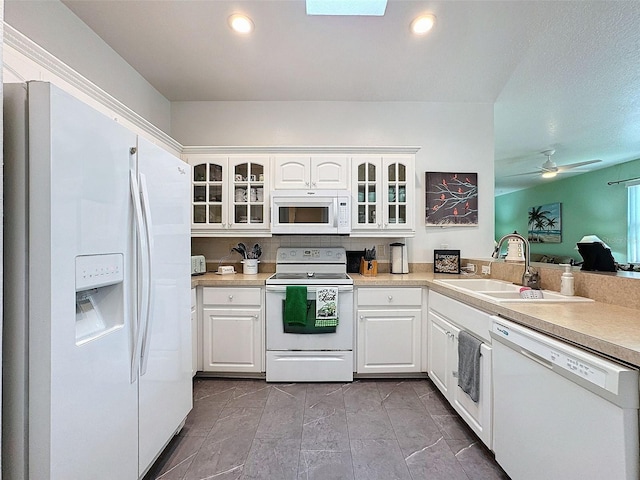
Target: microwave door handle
point(335, 213)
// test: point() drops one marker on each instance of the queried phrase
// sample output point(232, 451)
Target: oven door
point(309, 212)
point(277, 339)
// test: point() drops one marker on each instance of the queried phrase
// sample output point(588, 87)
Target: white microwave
point(303, 212)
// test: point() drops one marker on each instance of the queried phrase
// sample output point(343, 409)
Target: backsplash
point(218, 250)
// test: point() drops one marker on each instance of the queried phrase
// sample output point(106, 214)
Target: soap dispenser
point(566, 281)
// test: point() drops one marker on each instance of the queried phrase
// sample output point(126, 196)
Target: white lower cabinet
point(233, 329)
point(446, 318)
point(388, 330)
point(194, 333)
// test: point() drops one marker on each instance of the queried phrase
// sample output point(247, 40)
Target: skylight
point(346, 7)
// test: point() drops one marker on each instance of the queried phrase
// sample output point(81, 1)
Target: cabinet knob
point(230, 297)
point(255, 316)
point(361, 317)
point(390, 297)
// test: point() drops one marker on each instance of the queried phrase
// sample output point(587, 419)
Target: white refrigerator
point(97, 347)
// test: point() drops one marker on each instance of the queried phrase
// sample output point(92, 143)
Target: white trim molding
point(41, 57)
point(303, 149)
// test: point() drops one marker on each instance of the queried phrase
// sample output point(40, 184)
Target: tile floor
point(368, 429)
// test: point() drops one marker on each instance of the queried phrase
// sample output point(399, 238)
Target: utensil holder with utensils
point(368, 268)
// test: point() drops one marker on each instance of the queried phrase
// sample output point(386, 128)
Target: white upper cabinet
point(230, 194)
point(302, 172)
point(383, 195)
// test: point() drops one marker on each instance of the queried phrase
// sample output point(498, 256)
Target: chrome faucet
point(529, 278)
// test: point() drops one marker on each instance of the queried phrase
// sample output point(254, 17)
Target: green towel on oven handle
point(309, 328)
point(295, 309)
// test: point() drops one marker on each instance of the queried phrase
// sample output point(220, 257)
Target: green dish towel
point(310, 327)
point(295, 310)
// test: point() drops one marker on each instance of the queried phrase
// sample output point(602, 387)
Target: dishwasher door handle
point(537, 358)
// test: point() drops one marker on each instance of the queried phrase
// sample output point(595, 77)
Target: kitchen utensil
point(255, 252)
point(241, 249)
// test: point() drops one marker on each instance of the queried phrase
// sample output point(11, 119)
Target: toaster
point(198, 265)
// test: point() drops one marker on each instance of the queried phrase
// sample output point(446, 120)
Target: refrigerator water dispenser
point(99, 295)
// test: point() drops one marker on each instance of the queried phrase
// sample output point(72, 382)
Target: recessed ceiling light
point(423, 23)
point(346, 7)
point(240, 23)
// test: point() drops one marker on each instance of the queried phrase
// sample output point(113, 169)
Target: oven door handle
point(310, 288)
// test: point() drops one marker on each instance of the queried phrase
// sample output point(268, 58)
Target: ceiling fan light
point(549, 174)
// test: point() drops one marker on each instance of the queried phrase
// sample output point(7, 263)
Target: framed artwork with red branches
point(451, 199)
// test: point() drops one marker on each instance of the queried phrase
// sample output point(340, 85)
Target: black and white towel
point(327, 307)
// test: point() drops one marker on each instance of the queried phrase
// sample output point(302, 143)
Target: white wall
point(452, 137)
point(55, 28)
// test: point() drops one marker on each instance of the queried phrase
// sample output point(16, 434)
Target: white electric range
point(309, 357)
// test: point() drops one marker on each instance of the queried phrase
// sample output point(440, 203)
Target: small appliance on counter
point(198, 265)
point(399, 258)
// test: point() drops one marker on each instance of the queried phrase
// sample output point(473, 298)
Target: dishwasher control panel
point(578, 367)
point(560, 357)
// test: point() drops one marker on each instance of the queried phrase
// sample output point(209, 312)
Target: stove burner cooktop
point(310, 266)
point(310, 275)
point(304, 279)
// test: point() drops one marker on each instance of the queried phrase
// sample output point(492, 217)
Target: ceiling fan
point(549, 169)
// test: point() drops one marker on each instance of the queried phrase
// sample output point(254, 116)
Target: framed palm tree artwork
point(545, 223)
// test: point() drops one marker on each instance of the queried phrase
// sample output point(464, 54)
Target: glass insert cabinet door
point(229, 191)
point(208, 193)
point(248, 192)
point(396, 182)
point(368, 173)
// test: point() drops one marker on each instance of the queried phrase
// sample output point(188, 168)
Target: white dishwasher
point(560, 412)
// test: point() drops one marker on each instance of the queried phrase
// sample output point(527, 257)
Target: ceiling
point(562, 75)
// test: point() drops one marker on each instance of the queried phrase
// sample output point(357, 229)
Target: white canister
point(250, 266)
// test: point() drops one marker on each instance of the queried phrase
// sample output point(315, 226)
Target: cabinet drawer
point(398, 297)
point(231, 296)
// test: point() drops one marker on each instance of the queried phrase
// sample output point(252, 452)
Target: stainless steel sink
point(499, 291)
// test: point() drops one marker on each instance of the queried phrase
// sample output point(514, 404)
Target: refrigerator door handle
point(146, 211)
point(141, 306)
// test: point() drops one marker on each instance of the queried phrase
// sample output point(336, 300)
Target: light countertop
point(610, 330)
